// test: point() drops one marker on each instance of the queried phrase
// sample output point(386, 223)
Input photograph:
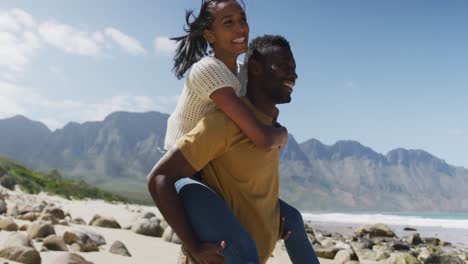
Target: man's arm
point(172, 167)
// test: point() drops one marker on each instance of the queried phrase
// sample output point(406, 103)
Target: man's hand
point(283, 234)
point(284, 134)
point(208, 252)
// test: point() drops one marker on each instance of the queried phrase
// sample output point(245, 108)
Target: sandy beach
point(147, 249)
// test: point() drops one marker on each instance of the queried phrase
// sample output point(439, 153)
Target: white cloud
point(24, 18)
point(55, 113)
point(18, 44)
point(164, 46)
point(126, 42)
point(69, 39)
point(17, 51)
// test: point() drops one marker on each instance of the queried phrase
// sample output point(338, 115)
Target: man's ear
point(255, 64)
point(209, 36)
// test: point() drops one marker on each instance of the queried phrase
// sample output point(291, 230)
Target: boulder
point(401, 258)
point(413, 239)
point(102, 221)
point(78, 221)
point(40, 229)
point(362, 243)
point(55, 211)
point(7, 224)
point(54, 243)
point(46, 217)
point(78, 234)
point(119, 248)
point(170, 236)
point(3, 207)
point(345, 255)
point(16, 239)
point(444, 260)
point(148, 227)
point(432, 241)
point(86, 244)
point(377, 230)
point(374, 255)
point(326, 252)
point(26, 255)
point(12, 210)
point(409, 229)
point(30, 216)
point(70, 258)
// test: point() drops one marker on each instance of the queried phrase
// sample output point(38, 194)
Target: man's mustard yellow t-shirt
point(244, 175)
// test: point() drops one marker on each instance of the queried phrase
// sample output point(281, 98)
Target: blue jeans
point(213, 221)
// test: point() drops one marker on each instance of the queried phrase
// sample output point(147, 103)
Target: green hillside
point(12, 173)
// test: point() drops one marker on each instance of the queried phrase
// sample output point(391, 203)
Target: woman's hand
point(283, 234)
point(208, 252)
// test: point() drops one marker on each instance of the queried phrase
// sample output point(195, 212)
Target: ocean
point(448, 227)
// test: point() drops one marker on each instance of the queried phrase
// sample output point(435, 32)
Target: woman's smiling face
point(229, 34)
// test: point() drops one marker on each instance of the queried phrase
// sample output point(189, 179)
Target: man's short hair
point(261, 46)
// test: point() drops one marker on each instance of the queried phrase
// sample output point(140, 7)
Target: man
point(246, 177)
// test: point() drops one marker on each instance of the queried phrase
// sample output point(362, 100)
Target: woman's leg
point(298, 245)
point(213, 221)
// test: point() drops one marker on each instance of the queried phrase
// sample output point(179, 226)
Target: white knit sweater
point(205, 76)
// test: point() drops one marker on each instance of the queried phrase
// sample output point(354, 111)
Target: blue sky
point(385, 73)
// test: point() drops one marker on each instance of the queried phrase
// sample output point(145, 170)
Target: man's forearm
point(170, 205)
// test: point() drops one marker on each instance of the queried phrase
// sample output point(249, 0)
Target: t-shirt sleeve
point(206, 141)
point(207, 76)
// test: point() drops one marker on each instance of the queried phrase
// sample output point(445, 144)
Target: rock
point(39, 207)
point(377, 230)
point(325, 252)
point(170, 236)
point(376, 255)
point(40, 230)
point(309, 229)
point(424, 254)
point(344, 255)
point(3, 207)
point(23, 227)
point(413, 239)
point(12, 210)
point(21, 254)
point(54, 243)
point(444, 260)
point(56, 212)
point(78, 221)
point(102, 221)
point(46, 217)
point(120, 249)
point(64, 222)
point(7, 224)
point(86, 244)
point(401, 258)
point(432, 241)
point(400, 246)
point(30, 216)
point(71, 237)
point(362, 243)
point(148, 227)
point(164, 224)
point(17, 239)
point(77, 234)
point(70, 258)
point(409, 229)
point(146, 215)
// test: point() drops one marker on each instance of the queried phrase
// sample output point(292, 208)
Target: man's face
point(280, 74)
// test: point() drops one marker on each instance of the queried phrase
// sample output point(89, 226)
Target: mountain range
point(117, 153)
